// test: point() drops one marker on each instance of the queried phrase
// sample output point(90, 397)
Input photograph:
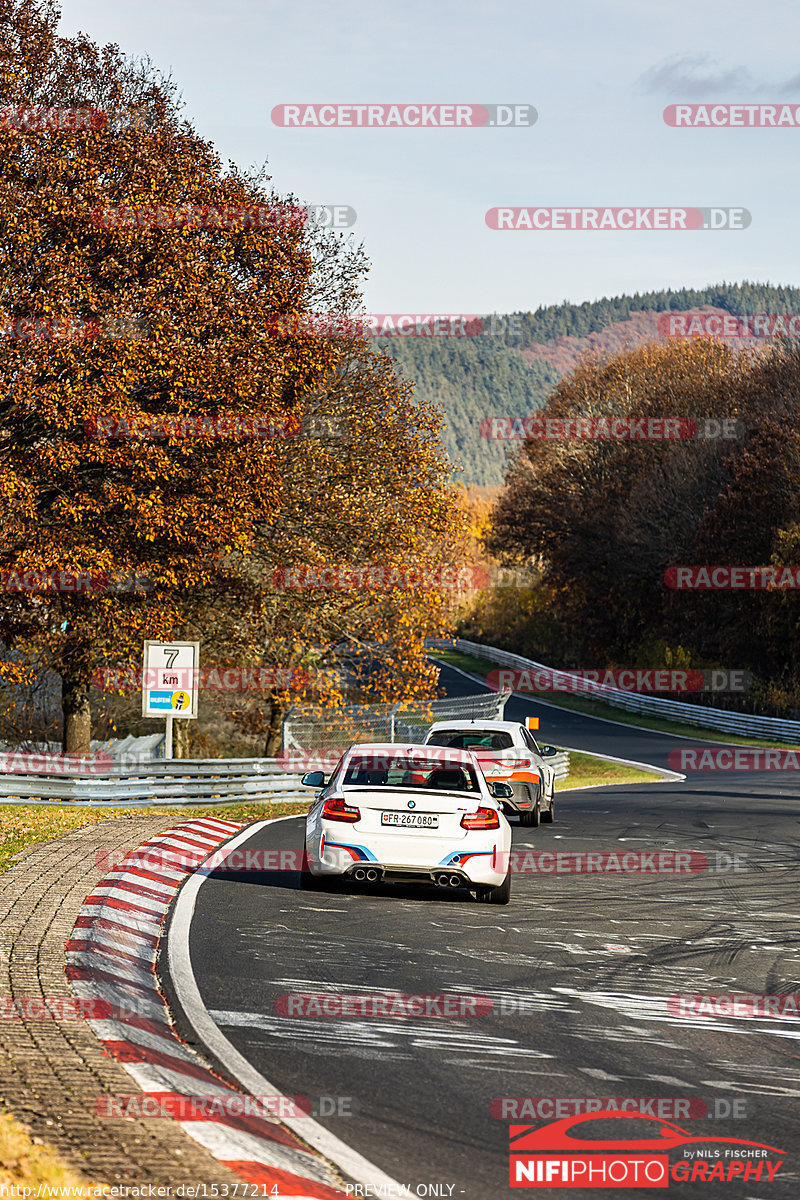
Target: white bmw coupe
point(414, 814)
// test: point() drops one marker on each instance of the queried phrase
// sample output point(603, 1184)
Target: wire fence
point(336, 729)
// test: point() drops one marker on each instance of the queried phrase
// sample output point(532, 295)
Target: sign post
point(170, 683)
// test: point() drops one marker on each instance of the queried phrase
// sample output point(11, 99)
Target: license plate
point(411, 820)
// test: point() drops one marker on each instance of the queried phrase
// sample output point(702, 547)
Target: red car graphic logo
point(557, 1136)
point(558, 1156)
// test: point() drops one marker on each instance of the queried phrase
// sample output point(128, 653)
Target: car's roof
point(477, 723)
point(404, 749)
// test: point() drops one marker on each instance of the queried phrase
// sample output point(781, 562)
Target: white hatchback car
point(506, 752)
point(411, 814)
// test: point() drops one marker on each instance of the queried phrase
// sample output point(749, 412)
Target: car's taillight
point(504, 765)
point(335, 809)
point(484, 818)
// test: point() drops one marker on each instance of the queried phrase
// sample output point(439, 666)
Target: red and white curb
point(111, 956)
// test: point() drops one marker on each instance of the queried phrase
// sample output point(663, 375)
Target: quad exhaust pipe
point(442, 879)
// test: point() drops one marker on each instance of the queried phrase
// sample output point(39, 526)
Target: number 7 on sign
point(171, 655)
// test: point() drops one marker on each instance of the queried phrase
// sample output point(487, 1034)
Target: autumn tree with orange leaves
point(607, 519)
point(121, 325)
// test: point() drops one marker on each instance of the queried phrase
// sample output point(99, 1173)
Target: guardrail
point(169, 783)
point(745, 724)
point(154, 784)
point(560, 762)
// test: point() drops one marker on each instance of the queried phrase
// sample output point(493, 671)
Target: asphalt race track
point(580, 968)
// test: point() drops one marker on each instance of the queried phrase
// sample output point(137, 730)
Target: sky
point(599, 74)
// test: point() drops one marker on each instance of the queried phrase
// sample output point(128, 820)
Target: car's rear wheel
point(531, 817)
point(496, 895)
point(308, 882)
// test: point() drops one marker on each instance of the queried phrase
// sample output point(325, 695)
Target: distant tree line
point(600, 523)
point(579, 320)
point(474, 378)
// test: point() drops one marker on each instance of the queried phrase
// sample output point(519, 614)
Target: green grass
point(587, 771)
point(26, 1163)
point(465, 662)
point(22, 825)
point(595, 708)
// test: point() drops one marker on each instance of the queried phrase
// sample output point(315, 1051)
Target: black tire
point(308, 882)
point(496, 895)
point(549, 815)
point(530, 819)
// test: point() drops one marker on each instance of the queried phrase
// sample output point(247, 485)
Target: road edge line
point(183, 981)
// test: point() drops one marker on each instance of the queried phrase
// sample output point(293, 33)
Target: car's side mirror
point(501, 791)
point(548, 751)
point(315, 779)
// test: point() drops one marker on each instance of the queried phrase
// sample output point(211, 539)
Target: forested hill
point(510, 371)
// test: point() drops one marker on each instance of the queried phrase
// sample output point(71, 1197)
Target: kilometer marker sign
point(171, 679)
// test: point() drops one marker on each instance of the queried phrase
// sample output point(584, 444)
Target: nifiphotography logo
point(581, 1152)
